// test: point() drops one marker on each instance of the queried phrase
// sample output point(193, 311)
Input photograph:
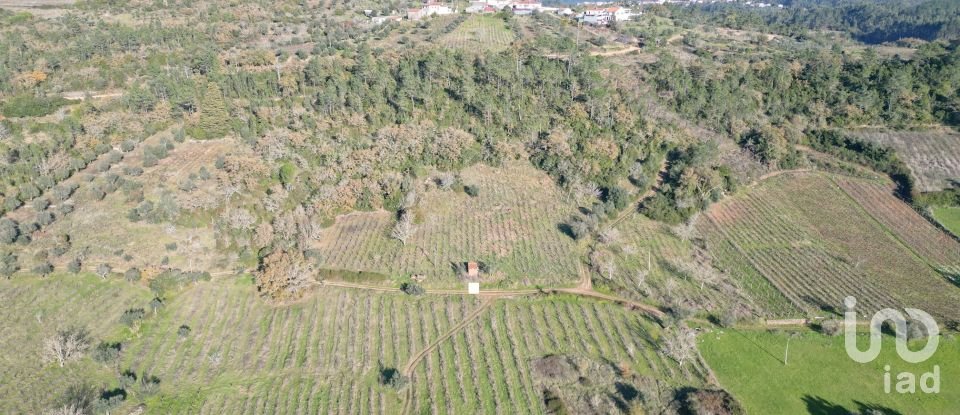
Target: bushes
point(27, 105)
point(9, 231)
point(877, 157)
point(43, 269)
point(411, 288)
point(106, 352)
point(132, 317)
point(176, 279)
point(8, 264)
point(132, 275)
point(471, 190)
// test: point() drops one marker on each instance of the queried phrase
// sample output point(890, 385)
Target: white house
point(596, 17)
point(428, 10)
point(524, 5)
point(498, 4)
point(379, 20)
point(606, 15)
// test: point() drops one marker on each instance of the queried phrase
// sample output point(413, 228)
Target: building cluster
point(602, 16)
point(429, 9)
point(598, 14)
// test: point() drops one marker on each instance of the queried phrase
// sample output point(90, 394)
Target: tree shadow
point(767, 352)
point(566, 230)
point(819, 406)
point(872, 408)
point(829, 308)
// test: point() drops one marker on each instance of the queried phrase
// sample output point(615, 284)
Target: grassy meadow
point(820, 378)
point(949, 217)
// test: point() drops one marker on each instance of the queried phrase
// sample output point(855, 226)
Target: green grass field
point(949, 217)
point(820, 378)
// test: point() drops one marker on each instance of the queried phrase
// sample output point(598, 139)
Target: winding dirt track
point(412, 363)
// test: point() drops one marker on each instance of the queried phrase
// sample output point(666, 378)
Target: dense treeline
point(811, 89)
point(877, 157)
point(868, 21)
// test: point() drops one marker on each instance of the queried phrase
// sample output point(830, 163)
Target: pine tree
point(214, 116)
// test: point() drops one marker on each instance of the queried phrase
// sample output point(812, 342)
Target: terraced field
point(933, 156)
point(480, 32)
point(511, 225)
point(815, 244)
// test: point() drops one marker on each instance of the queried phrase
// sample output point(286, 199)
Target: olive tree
point(66, 345)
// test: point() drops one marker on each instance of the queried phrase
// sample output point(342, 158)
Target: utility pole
point(786, 352)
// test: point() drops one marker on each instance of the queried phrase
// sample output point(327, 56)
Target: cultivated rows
point(322, 355)
point(817, 246)
point(904, 222)
point(511, 225)
point(480, 32)
point(934, 156)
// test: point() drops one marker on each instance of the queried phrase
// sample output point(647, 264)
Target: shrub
point(149, 160)
point(132, 317)
point(9, 231)
point(391, 377)
point(41, 204)
point(66, 208)
point(127, 146)
point(75, 265)
point(8, 264)
point(29, 105)
point(132, 275)
point(114, 157)
point(97, 193)
point(831, 327)
point(472, 190)
point(29, 228)
point(619, 197)
point(411, 288)
point(43, 269)
point(183, 331)
point(716, 402)
point(45, 218)
point(106, 352)
point(103, 270)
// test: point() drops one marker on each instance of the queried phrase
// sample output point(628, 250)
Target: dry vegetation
point(933, 156)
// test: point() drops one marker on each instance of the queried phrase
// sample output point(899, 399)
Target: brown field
point(933, 156)
point(817, 245)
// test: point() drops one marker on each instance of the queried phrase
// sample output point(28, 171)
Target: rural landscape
point(466, 207)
